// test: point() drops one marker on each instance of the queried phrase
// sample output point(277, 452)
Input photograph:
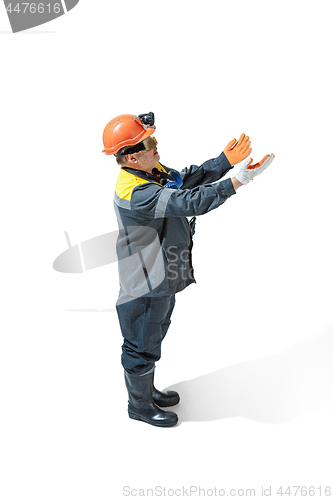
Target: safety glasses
point(146, 145)
point(149, 143)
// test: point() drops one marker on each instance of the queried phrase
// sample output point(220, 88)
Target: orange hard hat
point(125, 130)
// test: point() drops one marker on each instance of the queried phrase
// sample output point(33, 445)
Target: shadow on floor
point(272, 390)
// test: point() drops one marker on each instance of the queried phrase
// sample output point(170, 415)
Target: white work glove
point(247, 172)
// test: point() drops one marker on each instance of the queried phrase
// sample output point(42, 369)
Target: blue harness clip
point(176, 184)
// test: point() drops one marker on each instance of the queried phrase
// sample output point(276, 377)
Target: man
point(154, 246)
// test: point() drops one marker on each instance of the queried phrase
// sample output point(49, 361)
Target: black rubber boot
point(169, 398)
point(140, 402)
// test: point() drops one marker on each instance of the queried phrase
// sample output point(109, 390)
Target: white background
point(259, 319)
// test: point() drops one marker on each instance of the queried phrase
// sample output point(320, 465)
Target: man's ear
point(131, 159)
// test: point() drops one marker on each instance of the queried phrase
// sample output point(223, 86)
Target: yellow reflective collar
point(159, 167)
point(127, 181)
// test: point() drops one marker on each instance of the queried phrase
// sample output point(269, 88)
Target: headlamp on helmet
point(147, 119)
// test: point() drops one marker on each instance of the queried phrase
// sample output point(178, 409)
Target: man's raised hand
point(237, 151)
point(247, 172)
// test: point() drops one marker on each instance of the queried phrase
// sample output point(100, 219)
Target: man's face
point(145, 160)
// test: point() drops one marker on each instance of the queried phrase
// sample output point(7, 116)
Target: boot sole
point(134, 416)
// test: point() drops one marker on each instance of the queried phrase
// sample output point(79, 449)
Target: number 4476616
point(34, 8)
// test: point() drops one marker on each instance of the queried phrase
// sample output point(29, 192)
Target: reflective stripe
point(146, 373)
point(162, 203)
point(122, 203)
point(119, 219)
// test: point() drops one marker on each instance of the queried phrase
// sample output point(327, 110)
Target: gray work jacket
point(155, 242)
